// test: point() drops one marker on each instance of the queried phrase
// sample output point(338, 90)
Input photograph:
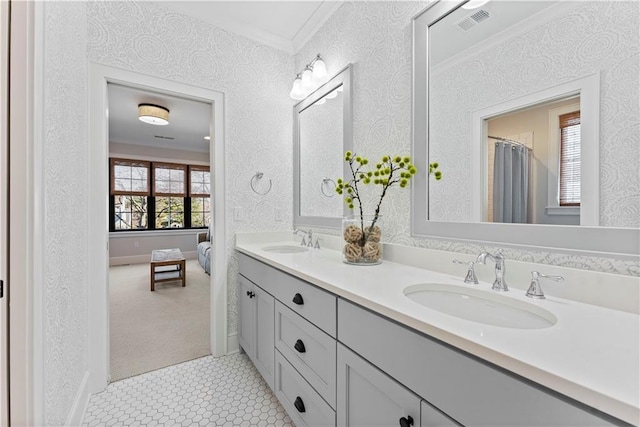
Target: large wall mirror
point(531, 110)
point(322, 132)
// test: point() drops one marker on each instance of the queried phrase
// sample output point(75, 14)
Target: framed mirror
point(503, 78)
point(322, 132)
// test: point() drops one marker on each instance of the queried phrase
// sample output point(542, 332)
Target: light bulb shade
point(307, 82)
point(153, 114)
point(296, 91)
point(319, 71)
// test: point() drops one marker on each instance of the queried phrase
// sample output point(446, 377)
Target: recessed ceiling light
point(153, 114)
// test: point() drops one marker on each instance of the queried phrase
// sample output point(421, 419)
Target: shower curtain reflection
point(511, 178)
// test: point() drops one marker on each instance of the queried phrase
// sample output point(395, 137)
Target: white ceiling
point(188, 120)
point(285, 25)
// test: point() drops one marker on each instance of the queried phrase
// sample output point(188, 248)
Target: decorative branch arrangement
point(363, 241)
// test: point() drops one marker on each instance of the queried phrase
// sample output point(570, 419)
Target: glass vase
point(361, 240)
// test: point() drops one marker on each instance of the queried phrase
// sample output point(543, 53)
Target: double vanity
point(398, 345)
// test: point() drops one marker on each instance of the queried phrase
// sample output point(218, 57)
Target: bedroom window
point(199, 190)
point(129, 194)
point(149, 195)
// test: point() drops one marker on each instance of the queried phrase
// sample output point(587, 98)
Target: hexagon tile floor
point(227, 391)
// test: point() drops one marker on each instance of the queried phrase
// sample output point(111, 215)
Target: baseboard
point(76, 413)
point(141, 259)
point(233, 346)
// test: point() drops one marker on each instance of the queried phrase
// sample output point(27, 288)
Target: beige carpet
point(151, 330)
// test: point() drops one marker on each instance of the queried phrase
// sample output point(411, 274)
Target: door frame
point(99, 76)
point(4, 199)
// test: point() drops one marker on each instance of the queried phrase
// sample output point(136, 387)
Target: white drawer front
point(310, 409)
point(311, 351)
point(317, 306)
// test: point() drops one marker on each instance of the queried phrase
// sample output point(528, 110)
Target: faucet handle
point(317, 244)
point(471, 272)
point(535, 290)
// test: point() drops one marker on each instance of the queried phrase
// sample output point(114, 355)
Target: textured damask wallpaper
point(149, 38)
point(65, 154)
point(377, 38)
point(593, 37)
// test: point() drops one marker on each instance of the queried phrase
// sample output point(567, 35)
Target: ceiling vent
point(163, 137)
point(474, 19)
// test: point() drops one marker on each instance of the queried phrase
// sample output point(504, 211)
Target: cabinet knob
point(406, 421)
point(297, 299)
point(299, 404)
point(299, 346)
point(248, 293)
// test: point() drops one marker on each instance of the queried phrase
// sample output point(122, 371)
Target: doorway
point(159, 202)
point(100, 77)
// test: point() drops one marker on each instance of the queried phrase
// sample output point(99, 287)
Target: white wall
point(377, 38)
point(150, 39)
point(65, 159)
point(593, 37)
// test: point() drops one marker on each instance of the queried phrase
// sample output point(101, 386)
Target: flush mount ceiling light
point(309, 79)
point(153, 114)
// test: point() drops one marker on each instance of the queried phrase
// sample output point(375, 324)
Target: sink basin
point(285, 249)
point(480, 306)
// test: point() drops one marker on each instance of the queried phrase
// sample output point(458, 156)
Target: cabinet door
point(367, 397)
point(431, 417)
point(246, 328)
point(264, 331)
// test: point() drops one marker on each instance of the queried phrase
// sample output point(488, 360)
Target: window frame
point(151, 194)
point(553, 178)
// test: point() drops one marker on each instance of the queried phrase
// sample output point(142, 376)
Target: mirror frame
point(585, 240)
point(343, 77)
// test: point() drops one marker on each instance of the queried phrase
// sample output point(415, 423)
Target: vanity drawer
point(311, 351)
point(468, 389)
point(309, 301)
point(304, 406)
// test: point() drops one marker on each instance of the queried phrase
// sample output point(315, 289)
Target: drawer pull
point(406, 422)
point(250, 294)
point(297, 299)
point(299, 404)
point(299, 345)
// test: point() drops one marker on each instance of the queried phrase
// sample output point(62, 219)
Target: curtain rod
point(511, 141)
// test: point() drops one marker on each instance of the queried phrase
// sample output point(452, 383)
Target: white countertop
point(591, 354)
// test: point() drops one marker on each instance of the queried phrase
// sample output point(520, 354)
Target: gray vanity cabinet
point(467, 389)
point(256, 328)
point(331, 361)
point(367, 397)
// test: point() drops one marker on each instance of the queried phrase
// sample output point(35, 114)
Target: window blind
point(169, 179)
point(129, 177)
point(570, 159)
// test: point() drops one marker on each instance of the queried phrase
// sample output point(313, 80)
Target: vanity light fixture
point(153, 114)
point(474, 4)
point(309, 79)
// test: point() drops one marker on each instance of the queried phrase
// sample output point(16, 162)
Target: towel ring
point(254, 180)
point(322, 185)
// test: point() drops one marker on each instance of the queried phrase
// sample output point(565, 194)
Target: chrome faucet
point(471, 273)
point(500, 284)
point(535, 290)
point(308, 234)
